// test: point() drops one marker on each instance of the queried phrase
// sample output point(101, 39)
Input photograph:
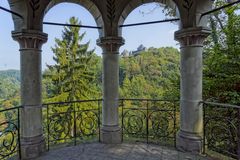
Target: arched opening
point(9, 64)
point(151, 39)
point(169, 6)
point(8, 55)
point(88, 5)
point(77, 66)
point(90, 37)
point(9, 83)
point(149, 69)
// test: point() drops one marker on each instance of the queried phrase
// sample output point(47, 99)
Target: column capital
point(192, 36)
point(30, 39)
point(110, 44)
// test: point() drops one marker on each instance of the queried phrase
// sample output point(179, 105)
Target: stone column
point(31, 123)
point(190, 136)
point(110, 130)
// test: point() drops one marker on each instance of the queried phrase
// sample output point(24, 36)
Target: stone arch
point(87, 4)
point(190, 12)
point(19, 7)
point(133, 4)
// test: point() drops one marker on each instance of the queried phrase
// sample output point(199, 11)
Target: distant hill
point(151, 73)
point(9, 83)
point(15, 74)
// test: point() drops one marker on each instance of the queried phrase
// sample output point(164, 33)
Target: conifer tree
point(73, 75)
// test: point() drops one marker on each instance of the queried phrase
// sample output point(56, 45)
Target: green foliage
point(9, 84)
point(9, 97)
point(151, 74)
point(73, 75)
point(9, 90)
point(222, 57)
point(222, 79)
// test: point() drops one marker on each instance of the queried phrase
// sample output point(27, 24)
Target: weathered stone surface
point(191, 114)
point(32, 140)
point(111, 136)
point(137, 151)
point(32, 147)
point(111, 132)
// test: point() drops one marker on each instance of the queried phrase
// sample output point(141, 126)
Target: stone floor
point(136, 151)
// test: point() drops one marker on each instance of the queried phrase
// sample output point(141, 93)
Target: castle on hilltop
point(141, 48)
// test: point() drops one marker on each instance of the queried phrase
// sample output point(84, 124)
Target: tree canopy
point(73, 75)
point(222, 56)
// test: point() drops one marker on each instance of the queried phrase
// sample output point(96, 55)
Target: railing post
point(147, 116)
point(48, 128)
point(19, 139)
point(204, 128)
point(174, 124)
point(74, 124)
point(99, 123)
point(238, 135)
point(122, 117)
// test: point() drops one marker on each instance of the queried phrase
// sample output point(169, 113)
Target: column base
point(189, 142)
point(32, 147)
point(111, 135)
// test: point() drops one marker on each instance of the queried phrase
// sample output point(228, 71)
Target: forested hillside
point(9, 88)
point(151, 74)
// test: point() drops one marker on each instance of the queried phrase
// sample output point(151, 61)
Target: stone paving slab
point(125, 151)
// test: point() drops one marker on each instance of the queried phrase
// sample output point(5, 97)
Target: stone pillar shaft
point(190, 136)
point(31, 123)
point(110, 131)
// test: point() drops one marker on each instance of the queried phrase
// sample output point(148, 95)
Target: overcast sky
point(156, 35)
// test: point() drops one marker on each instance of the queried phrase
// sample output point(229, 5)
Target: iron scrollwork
point(60, 125)
point(8, 139)
point(221, 130)
point(161, 124)
point(149, 121)
point(71, 122)
point(87, 123)
point(134, 122)
point(9, 132)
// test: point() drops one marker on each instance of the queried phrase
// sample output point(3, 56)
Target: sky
point(155, 35)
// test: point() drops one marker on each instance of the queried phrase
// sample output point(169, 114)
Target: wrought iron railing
point(150, 121)
point(9, 133)
point(144, 120)
point(72, 122)
point(222, 129)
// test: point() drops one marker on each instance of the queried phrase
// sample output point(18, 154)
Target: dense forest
point(9, 88)
point(153, 73)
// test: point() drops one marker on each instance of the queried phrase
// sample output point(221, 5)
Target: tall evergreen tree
point(72, 77)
